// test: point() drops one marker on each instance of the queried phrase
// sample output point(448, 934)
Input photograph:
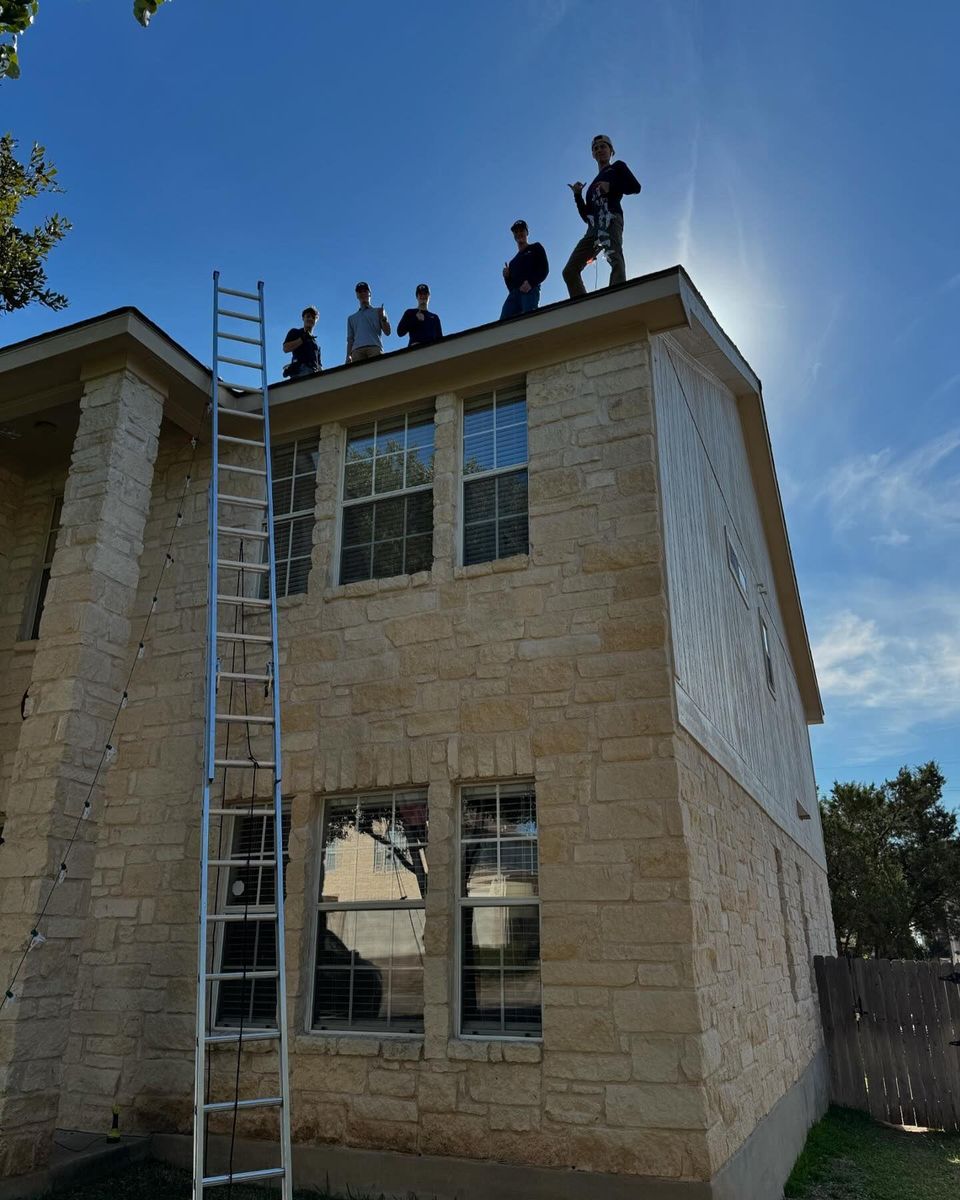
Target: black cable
point(108, 747)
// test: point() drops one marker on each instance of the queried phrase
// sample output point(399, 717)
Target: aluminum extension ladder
point(237, 884)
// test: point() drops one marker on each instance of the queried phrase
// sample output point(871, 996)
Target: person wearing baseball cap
point(603, 213)
point(523, 274)
point(365, 326)
point(422, 325)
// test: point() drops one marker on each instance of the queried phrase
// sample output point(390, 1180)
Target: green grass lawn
point(849, 1157)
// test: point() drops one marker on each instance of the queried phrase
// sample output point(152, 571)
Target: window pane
point(479, 870)
point(420, 513)
point(307, 458)
point(478, 453)
point(281, 539)
point(500, 986)
point(390, 435)
point(479, 500)
point(281, 497)
point(388, 473)
point(303, 492)
point(477, 417)
point(518, 868)
point(281, 460)
point(511, 410)
point(371, 834)
point(479, 544)
point(355, 563)
point(298, 575)
point(419, 556)
point(419, 467)
point(511, 445)
point(518, 811)
point(420, 433)
point(478, 813)
point(301, 537)
point(388, 519)
point(360, 443)
point(358, 479)
point(513, 537)
point(512, 494)
point(357, 524)
point(387, 559)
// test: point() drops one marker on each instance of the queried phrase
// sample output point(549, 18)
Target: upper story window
point(32, 630)
point(767, 656)
point(388, 498)
point(736, 567)
point(495, 475)
point(369, 949)
point(294, 466)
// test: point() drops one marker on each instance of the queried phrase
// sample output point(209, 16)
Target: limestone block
point(656, 1106)
point(647, 1011)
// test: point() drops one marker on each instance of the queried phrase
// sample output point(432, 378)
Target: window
point(294, 468)
point(49, 546)
point(736, 570)
point(388, 498)
point(495, 476)
point(248, 946)
point(369, 963)
point(499, 912)
point(767, 656)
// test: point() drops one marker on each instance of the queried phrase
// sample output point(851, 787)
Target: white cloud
point(905, 495)
point(888, 665)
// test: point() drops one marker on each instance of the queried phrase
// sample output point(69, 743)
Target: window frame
point(462, 901)
point(223, 905)
point(421, 409)
point(33, 612)
point(319, 906)
point(490, 393)
point(294, 515)
point(766, 650)
point(736, 568)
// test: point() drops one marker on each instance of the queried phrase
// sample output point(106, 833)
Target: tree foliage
point(16, 17)
point(23, 277)
point(893, 859)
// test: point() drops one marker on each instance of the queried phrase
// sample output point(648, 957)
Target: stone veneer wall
point(761, 912)
point(553, 667)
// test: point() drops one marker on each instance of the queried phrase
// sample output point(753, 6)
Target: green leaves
point(16, 16)
point(23, 277)
point(143, 10)
point(893, 860)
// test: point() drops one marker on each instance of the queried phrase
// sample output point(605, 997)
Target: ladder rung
point(242, 812)
point(237, 441)
point(238, 337)
point(248, 1035)
point(244, 601)
point(225, 291)
point(246, 388)
point(244, 1176)
point(244, 719)
point(231, 976)
point(226, 636)
point(236, 531)
point(249, 501)
point(229, 312)
point(232, 918)
point(225, 466)
point(262, 568)
point(230, 1105)
point(233, 862)
point(245, 675)
point(239, 412)
point(264, 765)
point(239, 362)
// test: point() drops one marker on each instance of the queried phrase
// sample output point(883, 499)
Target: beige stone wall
point(552, 667)
point(761, 912)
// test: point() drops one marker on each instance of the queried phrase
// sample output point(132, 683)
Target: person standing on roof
point(365, 326)
point(422, 325)
point(601, 210)
point(523, 274)
point(303, 346)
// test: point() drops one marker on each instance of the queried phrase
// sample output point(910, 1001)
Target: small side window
point(736, 568)
point(767, 656)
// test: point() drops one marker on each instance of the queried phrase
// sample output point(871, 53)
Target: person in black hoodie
point(422, 325)
point(523, 274)
point(601, 210)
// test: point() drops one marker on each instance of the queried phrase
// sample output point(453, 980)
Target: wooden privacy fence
point(893, 1038)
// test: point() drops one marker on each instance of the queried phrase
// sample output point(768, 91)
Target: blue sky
point(799, 160)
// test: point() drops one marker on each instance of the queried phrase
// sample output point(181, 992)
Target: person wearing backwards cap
point(601, 210)
point(523, 274)
point(364, 328)
point(423, 326)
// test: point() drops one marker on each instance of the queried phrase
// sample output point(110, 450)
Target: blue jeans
point(518, 302)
